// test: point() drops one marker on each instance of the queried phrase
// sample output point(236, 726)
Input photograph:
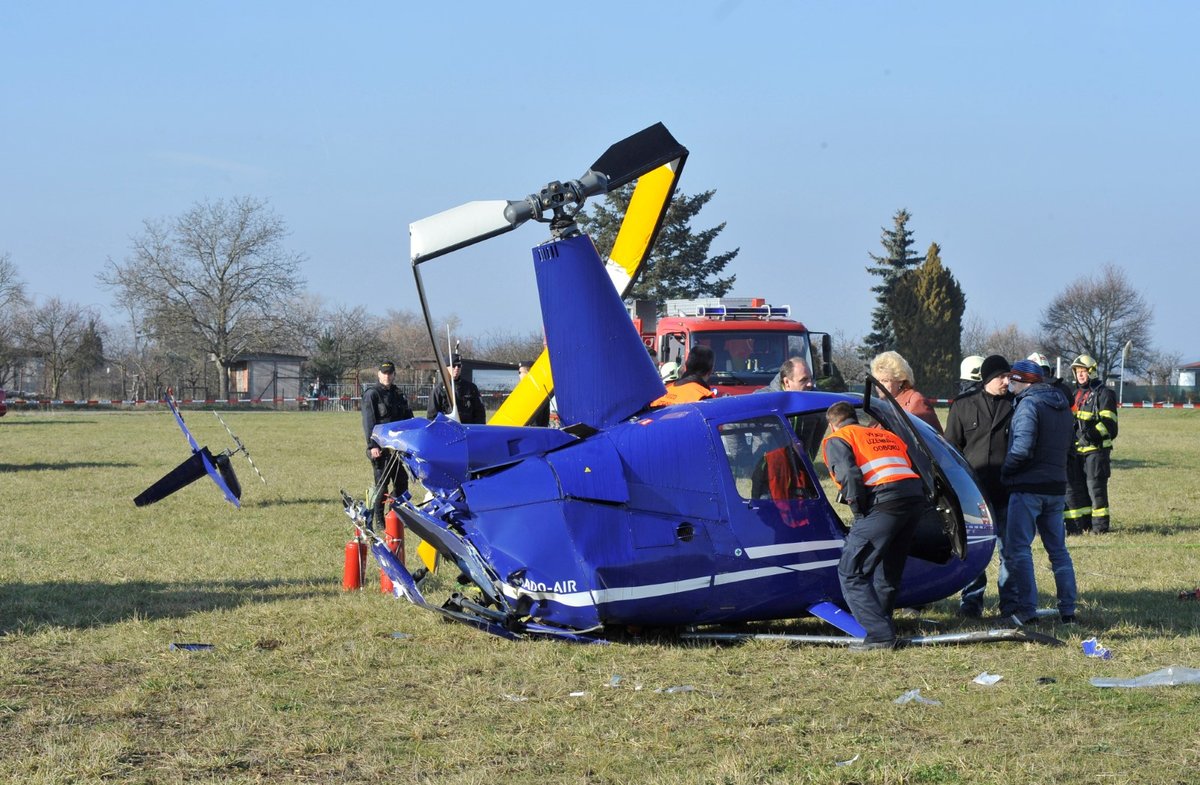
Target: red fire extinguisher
point(355, 563)
point(393, 538)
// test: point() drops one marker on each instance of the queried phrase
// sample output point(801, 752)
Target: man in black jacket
point(978, 426)
point(384, 403)
point(466, 398)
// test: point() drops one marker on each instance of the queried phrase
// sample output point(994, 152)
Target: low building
point(265, 375)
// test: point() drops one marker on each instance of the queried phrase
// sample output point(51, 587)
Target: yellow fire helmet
point(1085, 361)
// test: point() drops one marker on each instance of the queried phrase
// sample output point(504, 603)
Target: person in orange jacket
point(693, 384)
point(874, 474)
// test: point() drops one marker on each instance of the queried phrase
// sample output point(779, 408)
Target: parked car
point(3, 405)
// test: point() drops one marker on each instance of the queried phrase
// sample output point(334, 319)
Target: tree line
point(920, 310)
point(199, 290)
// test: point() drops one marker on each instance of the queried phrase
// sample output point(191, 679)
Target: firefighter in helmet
point(1089, 466)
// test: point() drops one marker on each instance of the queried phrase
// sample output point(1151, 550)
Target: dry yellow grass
point(307, 684)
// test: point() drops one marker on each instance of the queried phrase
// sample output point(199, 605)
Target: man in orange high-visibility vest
point(871, 468)
point(693, 384)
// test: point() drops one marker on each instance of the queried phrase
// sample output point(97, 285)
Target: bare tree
point(12, 302)
point(217, 277)
point(347, 339)
point(508, 346)
point(54, 332)
point(407, 341)
point(1098, 316)
point(1160, 369)
point(848, 352)
point(1009, 341)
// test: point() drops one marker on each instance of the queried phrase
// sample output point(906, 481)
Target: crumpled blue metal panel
point(591, 338)
point(529, 482)
point(591, 470)
point(671, 451)
point(435, 451)
point(532, 549)
point(442, 453)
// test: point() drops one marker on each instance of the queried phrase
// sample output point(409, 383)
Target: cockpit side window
point(765, 463)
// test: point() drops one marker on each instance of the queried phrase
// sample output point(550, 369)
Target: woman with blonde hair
point(896, 375)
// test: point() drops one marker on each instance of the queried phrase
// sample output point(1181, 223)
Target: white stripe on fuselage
point(763, 551)
point(581, 599)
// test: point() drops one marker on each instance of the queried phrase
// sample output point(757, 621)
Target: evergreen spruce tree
point(897, 242)
point(928, 305)
point(679, 265)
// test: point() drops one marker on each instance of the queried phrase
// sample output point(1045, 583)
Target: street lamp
point(1121, 385)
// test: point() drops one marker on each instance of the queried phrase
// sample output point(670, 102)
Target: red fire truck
point(750, 339)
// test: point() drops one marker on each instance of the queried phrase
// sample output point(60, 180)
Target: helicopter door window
point(763, 459)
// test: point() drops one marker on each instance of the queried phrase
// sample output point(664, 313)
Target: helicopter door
point(771, 479)
point(938, 487)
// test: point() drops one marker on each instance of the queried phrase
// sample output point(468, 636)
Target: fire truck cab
point(750, 339)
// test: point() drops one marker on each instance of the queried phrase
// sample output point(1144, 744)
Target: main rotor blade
point(457, 228)
point(638, 154)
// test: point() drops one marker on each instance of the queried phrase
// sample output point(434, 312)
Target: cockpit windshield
point(751, 357)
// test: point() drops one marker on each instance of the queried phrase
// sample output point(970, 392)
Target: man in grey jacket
point(1035, 474)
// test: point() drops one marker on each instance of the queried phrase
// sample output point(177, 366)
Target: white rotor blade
point(457, 228)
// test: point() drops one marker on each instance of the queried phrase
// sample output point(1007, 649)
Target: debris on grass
point(846, 762)
point(673, 690)
point(1193, 594)
point(192, 647)
point(915, 696)
point(267, 644)
point(1047, 680)
point(1163, 677)
point(578, 694)
point(987, 679)
point(1092, 648)
point(614, 681)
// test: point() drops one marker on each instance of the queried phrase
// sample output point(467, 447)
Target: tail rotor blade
point(240, 448)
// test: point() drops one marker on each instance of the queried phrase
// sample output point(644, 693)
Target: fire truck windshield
point(751, 357)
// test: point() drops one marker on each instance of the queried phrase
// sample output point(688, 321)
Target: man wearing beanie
point(1035, 474)
point(978, 426)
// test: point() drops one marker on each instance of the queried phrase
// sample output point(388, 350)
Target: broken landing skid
point(978, 636)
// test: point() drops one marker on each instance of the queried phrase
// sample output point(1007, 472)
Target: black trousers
point(873, 562)
point(1087, 492)
point(389, 472)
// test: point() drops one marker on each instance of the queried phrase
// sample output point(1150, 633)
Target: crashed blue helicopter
point(689, 516)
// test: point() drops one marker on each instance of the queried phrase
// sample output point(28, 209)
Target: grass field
point(308, 684)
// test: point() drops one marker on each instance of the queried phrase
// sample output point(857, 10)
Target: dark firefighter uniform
point(384, 403)
point(1089, 465)
point(872, 469)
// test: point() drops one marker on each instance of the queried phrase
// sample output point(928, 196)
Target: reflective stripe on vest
point(881, 455)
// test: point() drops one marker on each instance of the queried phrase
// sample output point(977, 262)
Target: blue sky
point(1033, 141)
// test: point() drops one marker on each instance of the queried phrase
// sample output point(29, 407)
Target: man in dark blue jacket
point(1035, 474)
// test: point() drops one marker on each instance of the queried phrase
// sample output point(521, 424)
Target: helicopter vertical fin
point(589, 335)
point(181, 476)
point(643, 218)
